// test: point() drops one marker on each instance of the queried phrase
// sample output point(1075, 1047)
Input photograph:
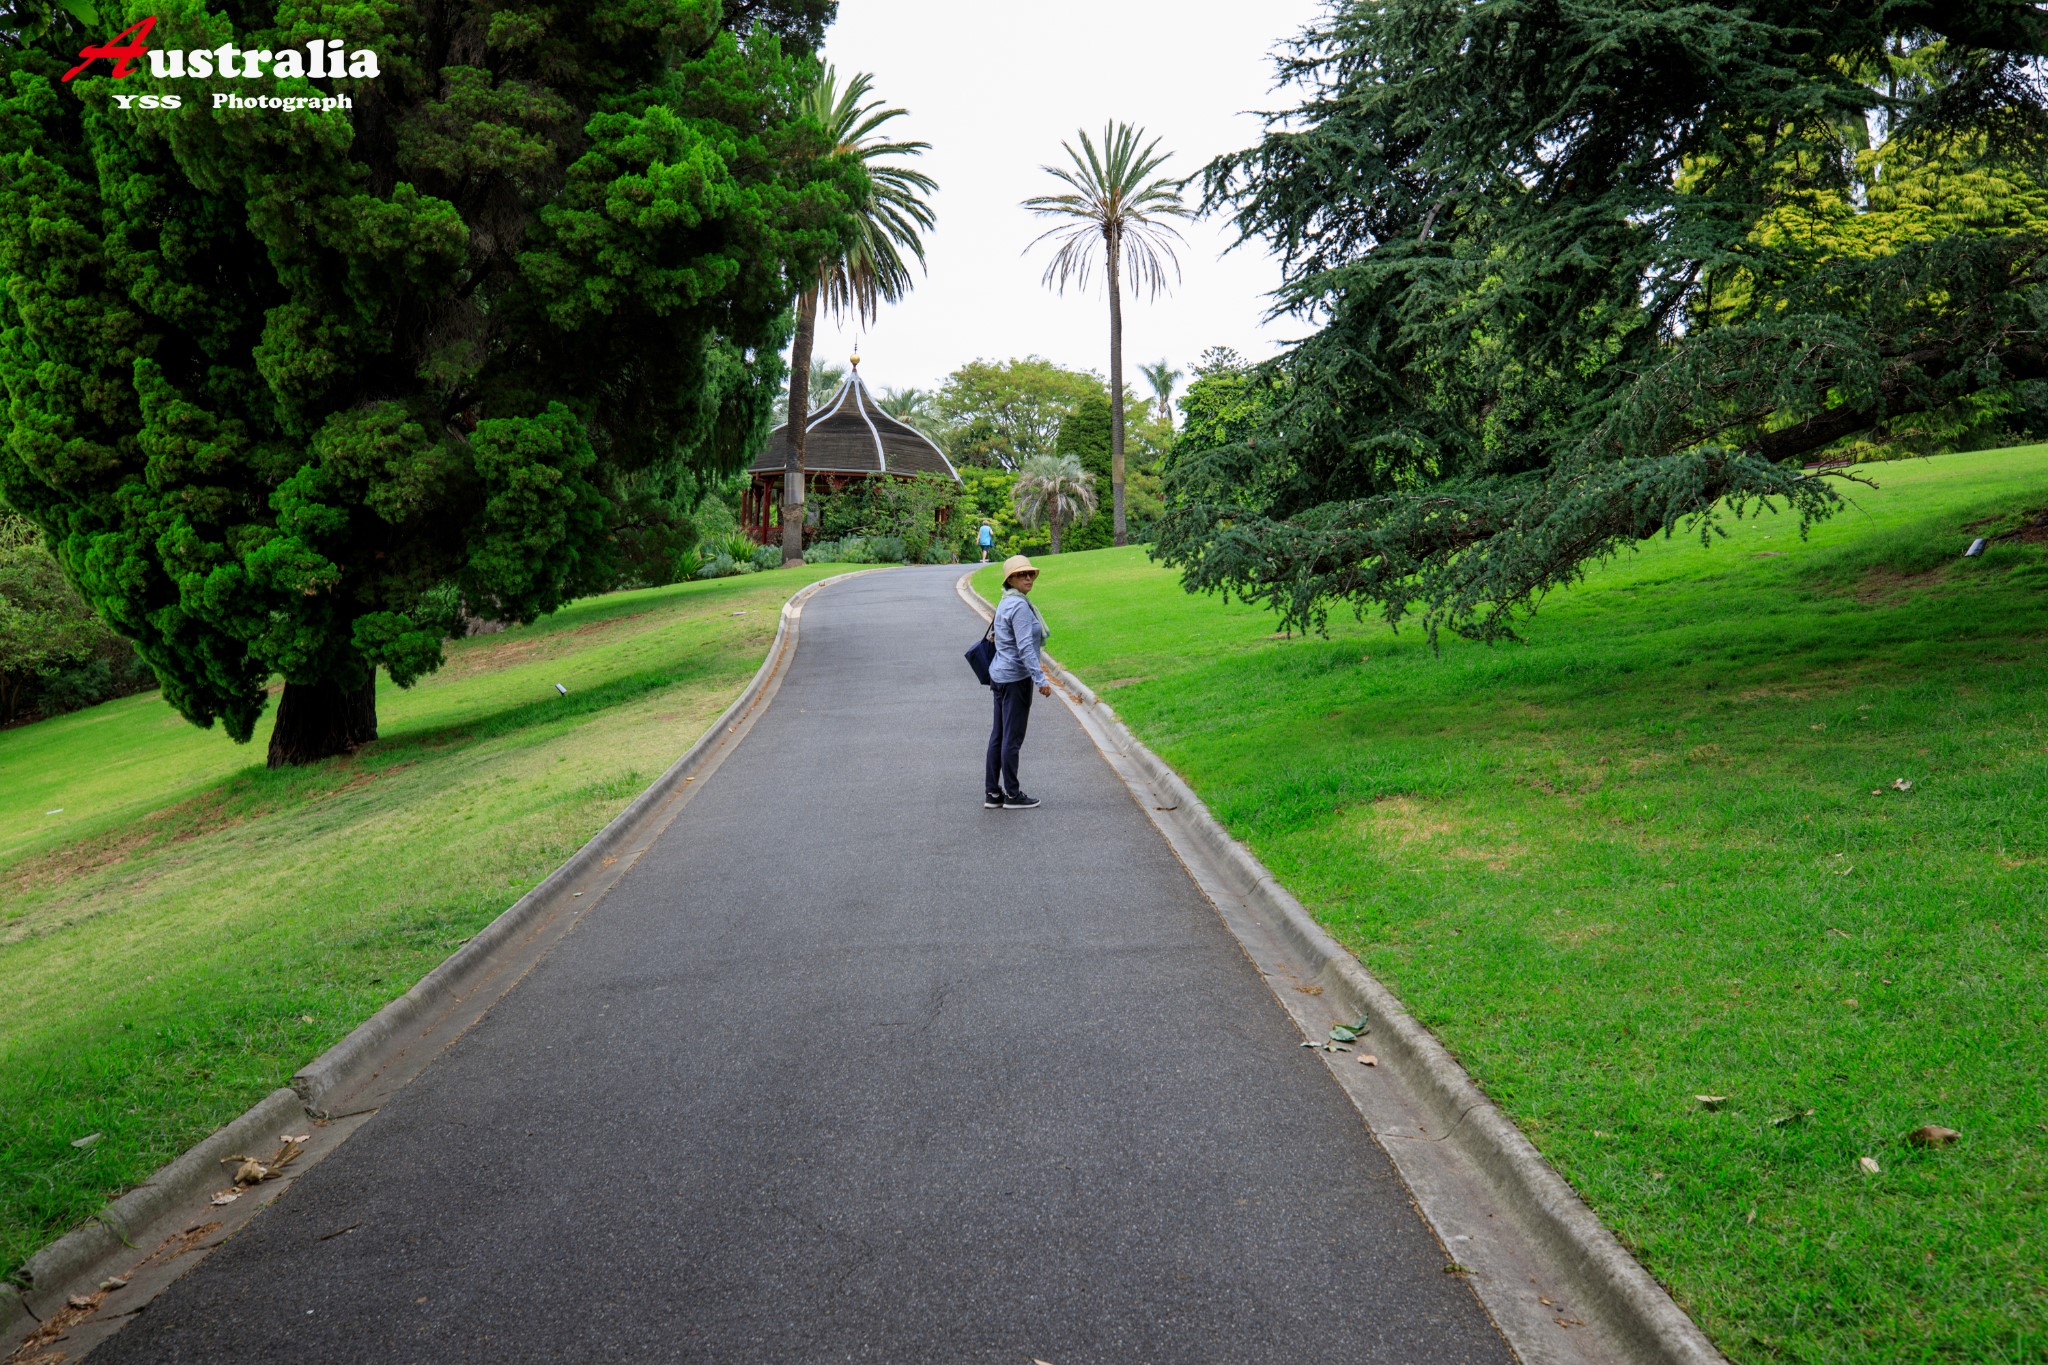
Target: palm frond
point(1053, 489)
point(1114, 200)
point(894, 216)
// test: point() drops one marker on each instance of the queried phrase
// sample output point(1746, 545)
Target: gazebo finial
point(856, 357)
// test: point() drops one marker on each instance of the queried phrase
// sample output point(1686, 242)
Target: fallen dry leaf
point(1932, 1135)
point(79, 1301)
point(1711, 1101)
point(1837, 931)
point(254, 1172)
point(88, 1140)
point(226, 1197)
point(1900, 784)
point(1796, 1116)
point(1571, 1322)
point(1545, 1302)
point(1751, 1218)
point(114, 1282)
point(1367, 1059)
point(1453, 1268)
point(1851, 1003)
point(1869, 1164)
point(1310, 990)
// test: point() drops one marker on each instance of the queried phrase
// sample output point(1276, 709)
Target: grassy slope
point(1639, 859)
point(193, 928)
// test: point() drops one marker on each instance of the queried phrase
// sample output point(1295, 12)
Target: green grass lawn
point(181, 929)
point(1655, 852)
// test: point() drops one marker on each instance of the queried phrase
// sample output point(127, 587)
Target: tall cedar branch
point(1548, 320)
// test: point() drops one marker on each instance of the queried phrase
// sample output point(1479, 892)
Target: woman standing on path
point(1019, 635)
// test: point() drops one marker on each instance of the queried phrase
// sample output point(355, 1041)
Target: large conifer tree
point(1587, 273)
point(288, 391)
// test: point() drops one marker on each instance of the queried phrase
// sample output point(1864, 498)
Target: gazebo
point(848, 440)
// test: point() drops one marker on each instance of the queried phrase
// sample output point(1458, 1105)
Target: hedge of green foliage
point(864, 550)
point(55, 655)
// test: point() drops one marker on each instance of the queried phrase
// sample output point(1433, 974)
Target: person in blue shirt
point(988, 540)
point(1020, 634)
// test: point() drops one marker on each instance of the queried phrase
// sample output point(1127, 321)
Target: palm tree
point(1162, 377)
point(872, 272)
point(825, 381)
point(1054, 489)
point(911, 405)
point(1111, 200)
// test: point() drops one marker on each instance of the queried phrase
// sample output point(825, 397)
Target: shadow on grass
point(256, 792)
point(547, 711)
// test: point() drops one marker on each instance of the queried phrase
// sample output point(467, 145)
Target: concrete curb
point(74, 1262)
point(1633, 1306)
point(184, 1179)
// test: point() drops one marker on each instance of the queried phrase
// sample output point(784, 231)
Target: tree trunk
point(1054, 522)
point(799, 418)
point(1116, 395)
point(321, 720)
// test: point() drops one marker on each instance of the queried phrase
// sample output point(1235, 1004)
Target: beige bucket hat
point(1015, 565)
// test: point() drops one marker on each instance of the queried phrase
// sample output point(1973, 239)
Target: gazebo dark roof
point(852, 435)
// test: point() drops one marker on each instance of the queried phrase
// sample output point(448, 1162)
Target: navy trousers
point(1013, 716)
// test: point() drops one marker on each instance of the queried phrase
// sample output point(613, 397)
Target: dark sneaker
point(992, 801)
point(1020, 802)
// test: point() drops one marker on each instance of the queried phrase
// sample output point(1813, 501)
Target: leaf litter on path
point(250, 1171)
point(1349, 1033)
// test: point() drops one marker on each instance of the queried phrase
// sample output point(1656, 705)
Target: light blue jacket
point(1020, 635)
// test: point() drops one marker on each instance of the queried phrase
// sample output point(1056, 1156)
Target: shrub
point(861, 550)
point(55, 654)
point(767, 556)
point(719, 565)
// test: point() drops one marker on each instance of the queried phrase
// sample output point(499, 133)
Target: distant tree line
point(997, 420)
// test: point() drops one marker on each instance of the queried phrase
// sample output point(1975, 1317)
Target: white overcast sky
point(995, 88)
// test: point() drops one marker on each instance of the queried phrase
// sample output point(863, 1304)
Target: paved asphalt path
point(851, 1069)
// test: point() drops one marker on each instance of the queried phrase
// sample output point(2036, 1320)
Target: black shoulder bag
point(983, 654)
